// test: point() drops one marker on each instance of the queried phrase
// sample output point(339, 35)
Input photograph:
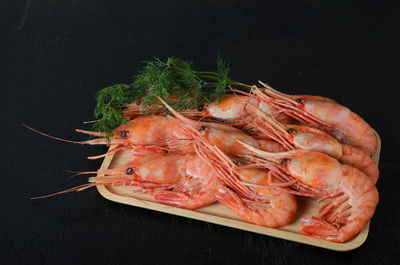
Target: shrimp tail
point(318, 228)
point(171, 198)
point(261, 213)
point(231, 200)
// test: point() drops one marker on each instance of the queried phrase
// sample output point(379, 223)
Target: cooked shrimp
point(221, 135)
point(326, 114)
point(146, 130)
point(197, 191)
point(304, 137)
point(278, 210)
point(275, 206)
point(185, 181)
point(278, 207)
point(149, 173)
point(156, 168)
point(352, 195)
point(234, 109)
point(175, 179)
point(351, 204)
point(142, 135)
point(231, 109)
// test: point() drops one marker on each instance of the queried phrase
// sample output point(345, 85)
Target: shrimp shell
point(304, 137)
point(352, 196)
point(326, 114)
point(343, 217)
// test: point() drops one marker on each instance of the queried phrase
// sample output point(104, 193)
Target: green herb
point(174, 80)
point(110, 100)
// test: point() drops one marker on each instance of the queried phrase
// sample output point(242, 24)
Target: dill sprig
point(110, 101)
point(174, 80)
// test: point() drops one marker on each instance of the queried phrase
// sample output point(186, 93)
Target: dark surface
point(56, 54)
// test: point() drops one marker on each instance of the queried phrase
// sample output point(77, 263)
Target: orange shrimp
point(142, 135)
point(174, 179)
point(156, 168)
point(234, 109)
point(197, 191)
point(148, 173)
point(326, 114)
point(221, 135)
point(275, 206)
point(304, 137)
point(279, 209)
point(352, 196)
point(192, 184)
point(146, 130)
point(231, 109)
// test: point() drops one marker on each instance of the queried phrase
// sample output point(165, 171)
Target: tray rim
point(274, 232)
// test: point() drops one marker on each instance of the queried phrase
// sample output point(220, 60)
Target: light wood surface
point(219, 214)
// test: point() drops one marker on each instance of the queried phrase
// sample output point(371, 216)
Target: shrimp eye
point(123, 133)
point(202, 128)
point(284, 161)
point(129, 171)
point(291, 130)
point(138, 102)
point(200, 108)
point(236, 162)
point(299, 100)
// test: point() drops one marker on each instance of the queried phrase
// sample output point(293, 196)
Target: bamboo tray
point(219, 214)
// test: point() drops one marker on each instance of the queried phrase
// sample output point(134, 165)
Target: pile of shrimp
point(254, 152)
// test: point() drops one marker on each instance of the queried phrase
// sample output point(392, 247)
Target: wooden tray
point(219, 214)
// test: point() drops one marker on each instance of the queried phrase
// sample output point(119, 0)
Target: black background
point(54, 56)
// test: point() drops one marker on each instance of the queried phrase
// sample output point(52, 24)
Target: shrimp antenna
point(77, 188)
point(175, 113)
point(89, 122)
point(53, 137)
point(79, 173)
